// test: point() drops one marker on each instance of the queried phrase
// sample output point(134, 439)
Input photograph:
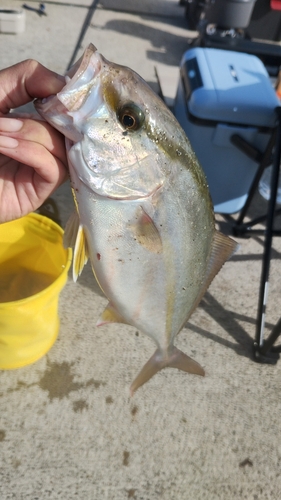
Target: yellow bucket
point(33, 271)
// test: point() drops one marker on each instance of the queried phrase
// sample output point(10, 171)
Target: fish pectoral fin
point(74, 237)
point(110, 315)
point(145, 231)
point(160, 360)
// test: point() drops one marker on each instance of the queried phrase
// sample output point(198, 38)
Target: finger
point(20, 114)
point(24, 81)
point(34, 156)
point(34, 131)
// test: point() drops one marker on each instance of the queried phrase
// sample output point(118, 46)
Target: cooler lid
point(228, 86)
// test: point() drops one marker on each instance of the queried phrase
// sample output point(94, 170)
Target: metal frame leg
point(264, 351)
point(239, 227)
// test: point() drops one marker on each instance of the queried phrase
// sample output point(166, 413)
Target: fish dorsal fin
point(74, 237)
point(110, 315)
point(223, 248)
point(145, 231)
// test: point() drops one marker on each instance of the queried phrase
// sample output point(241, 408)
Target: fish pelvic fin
point(160, 360)
point(110, 315)
point(74, 237)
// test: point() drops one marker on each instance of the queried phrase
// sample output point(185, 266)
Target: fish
point(143, 212)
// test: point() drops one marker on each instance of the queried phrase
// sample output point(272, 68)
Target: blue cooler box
point(222, 93)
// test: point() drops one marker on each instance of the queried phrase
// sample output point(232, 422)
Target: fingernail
point(10, 124)
point(8, 142)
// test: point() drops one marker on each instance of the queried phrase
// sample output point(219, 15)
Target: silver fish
point(144, 215)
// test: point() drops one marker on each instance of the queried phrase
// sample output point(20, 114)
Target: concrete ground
point(68, 429)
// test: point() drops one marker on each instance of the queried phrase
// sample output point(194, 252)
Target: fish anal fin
point(174, 359)
point(110, 315)
point(74, 237)
point(145, 231)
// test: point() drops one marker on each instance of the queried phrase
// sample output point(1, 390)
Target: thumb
point(21, 83)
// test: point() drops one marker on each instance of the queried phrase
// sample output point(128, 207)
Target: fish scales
point(143, 214)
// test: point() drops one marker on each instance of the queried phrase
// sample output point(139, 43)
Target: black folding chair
point(265, 351)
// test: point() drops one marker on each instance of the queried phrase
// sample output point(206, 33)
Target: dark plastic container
point(230, 13)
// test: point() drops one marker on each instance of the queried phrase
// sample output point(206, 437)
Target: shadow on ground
point(169, 46)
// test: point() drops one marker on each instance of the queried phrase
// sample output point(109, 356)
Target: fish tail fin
point(160, 360)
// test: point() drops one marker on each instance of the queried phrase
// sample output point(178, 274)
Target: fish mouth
point(79, 82)
point(80, 79)
point(81, 65)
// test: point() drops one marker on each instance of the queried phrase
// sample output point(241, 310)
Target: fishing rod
point(84, 28)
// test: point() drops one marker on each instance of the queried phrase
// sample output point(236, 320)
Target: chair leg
point(262, 350)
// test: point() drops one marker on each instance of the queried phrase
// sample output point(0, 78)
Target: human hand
point(32, 154)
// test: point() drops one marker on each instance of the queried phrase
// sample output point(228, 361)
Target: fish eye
point(130, 116)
